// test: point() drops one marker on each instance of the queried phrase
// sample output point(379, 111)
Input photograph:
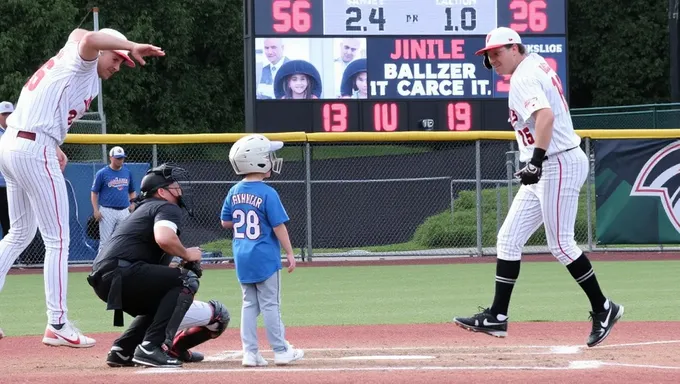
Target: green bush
point(460, 229)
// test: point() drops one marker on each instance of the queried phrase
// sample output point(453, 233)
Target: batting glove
point(531, 173)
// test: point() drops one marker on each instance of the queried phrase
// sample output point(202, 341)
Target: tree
point(618, 52)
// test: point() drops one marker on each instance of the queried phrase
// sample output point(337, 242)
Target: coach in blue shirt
point(112, 191)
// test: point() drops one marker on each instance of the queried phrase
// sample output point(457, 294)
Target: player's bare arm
point(281, 233)
point(544, 128)
point(62, 158)
point(167, 239)
point(227, 224)
point(94, 199)
point(91, 43)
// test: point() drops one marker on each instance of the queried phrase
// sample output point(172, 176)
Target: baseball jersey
point(134, 240)
point(113, 187)
point(534, 86)
point(255, 208)
point(56, 95)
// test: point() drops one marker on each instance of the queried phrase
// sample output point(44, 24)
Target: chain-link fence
point(348, 200)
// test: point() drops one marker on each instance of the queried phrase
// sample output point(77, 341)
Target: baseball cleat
point(603, 322)
point(2, 334)
point(484, 322)
point(251, 359)
point(155, 357)
point(67, 336)
point(187, 356)
point(118, 358)
point(287, 357)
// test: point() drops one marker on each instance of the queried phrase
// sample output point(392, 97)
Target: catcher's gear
point(93, 228)
point(255, 154)
point(194, 266)
point(191, 337)
point(163, 176)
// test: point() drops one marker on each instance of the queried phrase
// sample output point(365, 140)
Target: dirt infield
point(646, 352)
point(424, 260)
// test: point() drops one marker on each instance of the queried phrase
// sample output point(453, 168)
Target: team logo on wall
point(660, 177)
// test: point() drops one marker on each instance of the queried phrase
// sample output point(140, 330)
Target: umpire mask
point(162, 177)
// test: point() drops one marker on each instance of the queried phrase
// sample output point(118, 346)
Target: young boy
point(255, 212)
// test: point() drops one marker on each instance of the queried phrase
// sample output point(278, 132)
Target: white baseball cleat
point(251, 359)
point(67, 336)
point(292, 354)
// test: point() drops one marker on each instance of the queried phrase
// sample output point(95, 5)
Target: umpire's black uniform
point(132, 275)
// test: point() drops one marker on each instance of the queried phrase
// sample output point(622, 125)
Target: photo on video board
point(310, 68)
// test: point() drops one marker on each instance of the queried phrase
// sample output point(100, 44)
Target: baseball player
point(551, 181)
point(111, 195)
point(30, 159)
point(254, 211)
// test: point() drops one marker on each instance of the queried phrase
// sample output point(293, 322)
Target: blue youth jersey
point(113, 187)
point(255, 208)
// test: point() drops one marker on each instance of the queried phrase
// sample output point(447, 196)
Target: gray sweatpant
point(110, 220)
point(263, 297)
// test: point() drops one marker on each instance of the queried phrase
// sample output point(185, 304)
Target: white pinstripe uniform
point(553, 201)
point(57, 94)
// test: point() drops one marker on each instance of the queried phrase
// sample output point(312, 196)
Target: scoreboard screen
point(387, 65)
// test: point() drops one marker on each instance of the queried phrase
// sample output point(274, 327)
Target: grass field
point(384, 295)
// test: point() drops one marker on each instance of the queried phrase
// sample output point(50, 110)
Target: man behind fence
point(111, 195)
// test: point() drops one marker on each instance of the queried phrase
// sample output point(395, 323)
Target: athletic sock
point(582, 271)
point(506, 276)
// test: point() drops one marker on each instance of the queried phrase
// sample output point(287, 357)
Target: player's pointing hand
point(138, 51)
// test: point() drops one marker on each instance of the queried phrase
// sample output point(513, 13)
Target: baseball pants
point(110, 219)
point(36, 195)
point(553, 202)
point(263, 297)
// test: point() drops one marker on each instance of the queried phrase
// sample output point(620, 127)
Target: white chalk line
point(479, 347)
point(148, 371)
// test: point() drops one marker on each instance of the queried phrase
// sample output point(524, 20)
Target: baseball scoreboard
point(387, 65)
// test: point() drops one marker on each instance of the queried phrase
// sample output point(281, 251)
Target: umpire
point(132, 273)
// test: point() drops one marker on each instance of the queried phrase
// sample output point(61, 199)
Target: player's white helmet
point(255, 154)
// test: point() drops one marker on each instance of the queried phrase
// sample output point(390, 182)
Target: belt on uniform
point(116, 208)
point(566, 150)
point(26, 135)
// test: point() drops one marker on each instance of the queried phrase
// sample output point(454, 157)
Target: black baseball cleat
point(155, 357)
point(483, 322)
point(187, 356)
point(118, 358)
point(603, 322)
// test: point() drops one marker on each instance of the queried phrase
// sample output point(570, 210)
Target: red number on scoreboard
point(529, 14)
point(459, 116)
point(385, 117)
point(334, 117)
point(289, 14)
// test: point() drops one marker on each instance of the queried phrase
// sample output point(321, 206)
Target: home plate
point(565, 350)
point(387, 357)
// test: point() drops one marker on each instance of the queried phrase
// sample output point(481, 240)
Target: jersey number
point(33, 82)
point(558, 84)
point(250, 220)
point(527, 137)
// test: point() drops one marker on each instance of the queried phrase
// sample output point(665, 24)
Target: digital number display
point(388, 65)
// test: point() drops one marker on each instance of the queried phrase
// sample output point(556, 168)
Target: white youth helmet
point(255, 154)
